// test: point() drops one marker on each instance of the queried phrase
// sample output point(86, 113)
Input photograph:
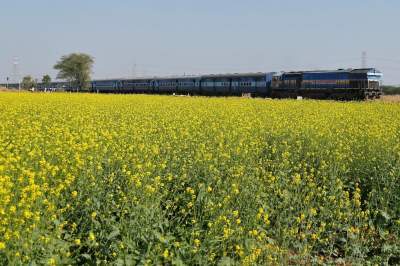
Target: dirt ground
point(4, 89)
point(384, 98)
point(391, 98)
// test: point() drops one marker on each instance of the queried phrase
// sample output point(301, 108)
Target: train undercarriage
point(333, 94)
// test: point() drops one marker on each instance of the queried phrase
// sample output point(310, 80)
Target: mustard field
point(155, 180)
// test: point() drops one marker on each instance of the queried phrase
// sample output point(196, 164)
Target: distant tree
point(28, 83)
point(76, 69)
point(46, 80)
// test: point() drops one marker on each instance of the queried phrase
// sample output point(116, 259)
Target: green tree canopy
point(76, 69)
point(46, 80)
point(28, 83)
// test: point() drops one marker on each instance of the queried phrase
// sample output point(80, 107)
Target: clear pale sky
point(135, 38)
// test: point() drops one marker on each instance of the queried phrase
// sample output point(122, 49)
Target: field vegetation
point(391, 90)
point(134, 179)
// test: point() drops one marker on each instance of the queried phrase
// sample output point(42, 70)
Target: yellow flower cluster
point(112, 179)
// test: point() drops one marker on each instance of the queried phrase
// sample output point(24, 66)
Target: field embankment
point(4, 89)
point(119, 179)
point(391, 98)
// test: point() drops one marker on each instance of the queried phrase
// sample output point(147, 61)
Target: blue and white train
point(346, 84)
point(337, 84)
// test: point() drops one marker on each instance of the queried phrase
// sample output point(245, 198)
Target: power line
point(386, 59)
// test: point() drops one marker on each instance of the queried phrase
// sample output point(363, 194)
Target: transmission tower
point(364, 59)
point(15, 72)
point(134, 70)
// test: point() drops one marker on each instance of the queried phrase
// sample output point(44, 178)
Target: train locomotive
point(351, 84)
point(342, 84)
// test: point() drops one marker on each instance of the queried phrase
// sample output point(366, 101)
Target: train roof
point(237, 75)
point(348, 70)
point(228, 75)
point(371, 71)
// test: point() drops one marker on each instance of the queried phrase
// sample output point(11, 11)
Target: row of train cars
point(342, 84)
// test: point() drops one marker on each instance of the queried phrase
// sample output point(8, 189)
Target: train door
point(276, 81)
point(235, 83)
